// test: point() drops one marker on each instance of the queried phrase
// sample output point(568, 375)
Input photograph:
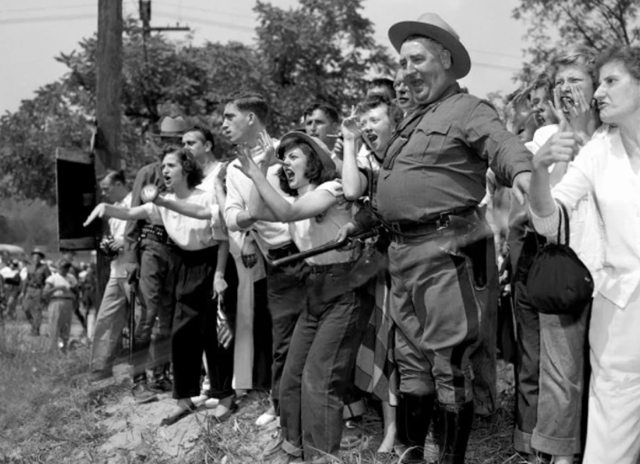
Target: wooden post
point(108, 107)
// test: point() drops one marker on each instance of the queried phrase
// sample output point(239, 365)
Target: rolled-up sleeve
point(485, 132)
point(235, 203)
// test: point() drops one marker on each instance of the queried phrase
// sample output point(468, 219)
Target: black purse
point(559, 282)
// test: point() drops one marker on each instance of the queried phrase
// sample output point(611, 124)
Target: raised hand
point(561, 147)
point(351, 126)
point(97, 212)
point(269, 148)
point(247, 165)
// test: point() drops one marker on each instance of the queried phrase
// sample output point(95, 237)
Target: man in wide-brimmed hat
point(33, 302)
point(441, 256)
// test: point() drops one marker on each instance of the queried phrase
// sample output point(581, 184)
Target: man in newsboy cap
point(441, 255)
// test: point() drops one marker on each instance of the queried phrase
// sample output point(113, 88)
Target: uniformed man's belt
point(282, 251)
point(441, 222)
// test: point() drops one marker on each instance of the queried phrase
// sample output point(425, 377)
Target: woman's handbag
point(559, 282)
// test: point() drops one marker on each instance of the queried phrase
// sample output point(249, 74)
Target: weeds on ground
point(44, 415)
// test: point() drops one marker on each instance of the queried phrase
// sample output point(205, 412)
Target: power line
point(207, 22)
point(61, 7)
point(46, 19)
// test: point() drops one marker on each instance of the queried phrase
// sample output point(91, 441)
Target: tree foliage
point(556, 24)
point(320, 50)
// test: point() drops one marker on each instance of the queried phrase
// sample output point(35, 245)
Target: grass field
point(49, 413)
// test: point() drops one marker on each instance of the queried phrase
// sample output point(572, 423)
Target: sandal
point(186, 407)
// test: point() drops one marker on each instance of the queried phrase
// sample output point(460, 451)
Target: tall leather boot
point(455, 430)
point(413, 418)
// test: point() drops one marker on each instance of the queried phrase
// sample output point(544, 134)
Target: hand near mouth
point(350, 127)
point(577, 116)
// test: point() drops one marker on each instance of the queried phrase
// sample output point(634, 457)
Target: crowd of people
point(40, 287)
point(221, 261)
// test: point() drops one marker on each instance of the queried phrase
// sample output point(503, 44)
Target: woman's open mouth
point(290, 174)
point(567, 103)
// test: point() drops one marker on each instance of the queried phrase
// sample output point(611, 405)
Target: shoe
point(414, 415)
point(226, 407)
point(97, 376)
point(211, 403)
point(142, 394)
point(274, 445)
point(282, 457)
point(352, 435)
point(161, 385)
point(184, 408)
point(409, 454)
point(455, 428)
point(266, 417)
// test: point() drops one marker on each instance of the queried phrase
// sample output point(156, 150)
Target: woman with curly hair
point(324, 343)
point(202, 249)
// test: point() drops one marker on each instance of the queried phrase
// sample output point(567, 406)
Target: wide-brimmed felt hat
point(38, 251)
point(172, 127)
point(434, 27)
point(316, 144)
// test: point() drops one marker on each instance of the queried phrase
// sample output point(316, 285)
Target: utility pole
point(108, 106)
point(145, 17)
point(108, 85)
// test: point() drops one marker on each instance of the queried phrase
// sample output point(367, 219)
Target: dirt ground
point(49, 412)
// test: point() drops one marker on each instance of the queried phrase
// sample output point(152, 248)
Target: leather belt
point(408, 229)
point(157, 234)
point(325, 268)
point(282, 251)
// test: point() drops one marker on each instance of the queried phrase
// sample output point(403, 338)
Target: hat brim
point(459, 54)
point(37, 252)
point(316, 144)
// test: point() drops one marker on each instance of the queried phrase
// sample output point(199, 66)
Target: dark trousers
point(439, 294)
point(194, 328)
point(286, 294)
point(320, 362)
point(157, 302)
point(262, 338)
point(527, 368)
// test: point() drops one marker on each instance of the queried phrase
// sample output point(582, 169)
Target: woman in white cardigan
point(609, 168)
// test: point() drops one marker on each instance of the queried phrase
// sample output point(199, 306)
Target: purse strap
point(563, 214)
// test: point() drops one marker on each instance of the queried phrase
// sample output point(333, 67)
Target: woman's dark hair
point(190, 168)
point(626, 55)
point(315, 172)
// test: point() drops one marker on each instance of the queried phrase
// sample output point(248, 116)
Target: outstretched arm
point(185, 208)
point(118, 212)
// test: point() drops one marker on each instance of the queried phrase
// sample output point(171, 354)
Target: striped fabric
point(225, 335)
point(376, 371)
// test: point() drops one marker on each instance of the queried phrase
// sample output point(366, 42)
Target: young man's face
point(318, 124)
point(236, 124)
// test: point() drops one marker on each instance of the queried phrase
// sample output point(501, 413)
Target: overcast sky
point(33, 32)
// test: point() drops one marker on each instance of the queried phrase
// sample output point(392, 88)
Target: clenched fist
point(148, 193)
